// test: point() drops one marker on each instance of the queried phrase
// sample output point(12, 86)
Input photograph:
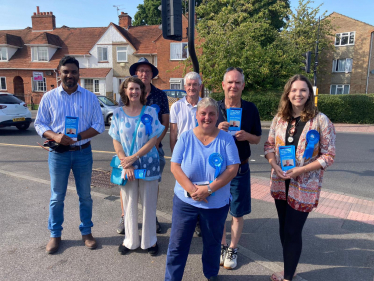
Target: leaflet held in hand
point(234, 117)
point(71, 127)
point(287, 157)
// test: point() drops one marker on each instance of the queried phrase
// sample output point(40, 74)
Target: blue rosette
point(216, 160)
point(312, 138)
point(155, 106)
point(147, 121)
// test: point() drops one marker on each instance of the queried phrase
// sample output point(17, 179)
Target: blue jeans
point(182, 228)
point(60, 164)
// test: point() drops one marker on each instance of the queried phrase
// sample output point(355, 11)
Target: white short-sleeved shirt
point(183, 114)
point(193, 156)
point(122, 129)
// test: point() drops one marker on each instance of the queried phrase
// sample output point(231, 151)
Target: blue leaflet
point(139, 174)
point(234, 117)
point(71, 126)
point(287, 157)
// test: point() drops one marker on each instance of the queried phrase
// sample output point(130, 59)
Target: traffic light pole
point(191, 35)
point(316, 56)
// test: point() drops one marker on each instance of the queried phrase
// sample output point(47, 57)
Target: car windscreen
point(107, 101)
point(7, 99)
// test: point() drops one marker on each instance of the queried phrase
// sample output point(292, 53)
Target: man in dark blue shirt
point(146, 72)
point(249, 133)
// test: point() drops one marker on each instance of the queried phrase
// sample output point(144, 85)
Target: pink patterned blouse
point(304, 190)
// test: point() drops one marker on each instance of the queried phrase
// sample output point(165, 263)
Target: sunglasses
point(234, 68)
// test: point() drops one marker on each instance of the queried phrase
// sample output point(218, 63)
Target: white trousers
point(146, 191)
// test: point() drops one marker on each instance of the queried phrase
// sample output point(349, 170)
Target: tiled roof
point(93, 72)
point(9, 39)
point(47, 39)
point(145, 36)
point(76, 41)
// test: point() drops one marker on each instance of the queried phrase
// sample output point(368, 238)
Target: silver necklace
point(292, 131)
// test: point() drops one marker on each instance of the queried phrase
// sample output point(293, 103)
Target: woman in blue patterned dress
point(144, 155)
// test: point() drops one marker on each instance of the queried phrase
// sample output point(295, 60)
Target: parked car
point(107, 105)
point(14, 112)
point(174, 95)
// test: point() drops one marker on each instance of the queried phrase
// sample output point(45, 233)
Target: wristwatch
point(79, 137)
point(209, 190)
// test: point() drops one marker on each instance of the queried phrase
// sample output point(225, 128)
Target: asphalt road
point(352, 172)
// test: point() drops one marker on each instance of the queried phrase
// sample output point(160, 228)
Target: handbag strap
point(136, 130)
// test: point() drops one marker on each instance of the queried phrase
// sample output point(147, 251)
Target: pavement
point(338, 236)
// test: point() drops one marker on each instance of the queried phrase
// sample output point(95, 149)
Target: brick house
point(350, 69)
point(105, 55)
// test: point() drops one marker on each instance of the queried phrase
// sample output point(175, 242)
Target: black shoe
point(198, 229)
point(158, 226)
point(123, 250)
point(213, 278)
point(121, 227)
point(153, 251)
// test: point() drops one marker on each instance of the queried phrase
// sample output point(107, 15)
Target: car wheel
point(109, 119)
point(23, 127)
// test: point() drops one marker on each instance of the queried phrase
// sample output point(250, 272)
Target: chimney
point(124, 20)
point(43, 21)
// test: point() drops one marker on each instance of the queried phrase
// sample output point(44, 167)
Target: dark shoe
point(53, 245)
point(89, 241)
point(198, 229)
point(158, 226)
point(153, 251)
point(121, 227)
point(213, 278)
point(123, 250)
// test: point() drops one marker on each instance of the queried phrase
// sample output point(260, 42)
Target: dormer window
point(102, 53)
point(3, 54)
point(39, 54)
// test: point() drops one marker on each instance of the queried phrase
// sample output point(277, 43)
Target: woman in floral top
point(143, 156)
point(296, 192)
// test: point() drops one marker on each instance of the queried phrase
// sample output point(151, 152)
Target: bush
point(352, 108)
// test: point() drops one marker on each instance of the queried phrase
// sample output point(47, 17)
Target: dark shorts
point(161, 154)
point(240, 190)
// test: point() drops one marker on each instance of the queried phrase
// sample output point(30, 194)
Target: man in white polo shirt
point(183, 113)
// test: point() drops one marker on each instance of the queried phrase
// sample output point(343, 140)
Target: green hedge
point(353, 109)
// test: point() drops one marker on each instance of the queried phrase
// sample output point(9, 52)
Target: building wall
point(371, 68)
point(27, 75)
point(359, 52)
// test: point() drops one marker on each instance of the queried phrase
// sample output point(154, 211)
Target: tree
point(247, 34)
point(148, 13)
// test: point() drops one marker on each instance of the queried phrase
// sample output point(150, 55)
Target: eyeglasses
point(234, 68)
point(144, 71)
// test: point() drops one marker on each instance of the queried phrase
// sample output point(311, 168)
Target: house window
point(2, 83)
point(39, 86)
point(178, 51)
point(102, 53)
point(339, 89)
point(176, 83)
point(346, 38)
point(3, 54)
point(342, 65)
point(92, 85)
point(39, 54)
point(122, 54)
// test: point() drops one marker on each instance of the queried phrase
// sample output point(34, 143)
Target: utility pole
point(191, 35)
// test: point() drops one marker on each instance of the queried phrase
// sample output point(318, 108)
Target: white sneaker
point(231, 258)
point(223, 254)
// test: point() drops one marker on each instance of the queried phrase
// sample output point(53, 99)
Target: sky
point(17, 14)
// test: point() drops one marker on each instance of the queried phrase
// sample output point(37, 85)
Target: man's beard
point(71, 83)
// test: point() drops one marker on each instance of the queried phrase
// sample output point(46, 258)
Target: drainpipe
point(367, 78)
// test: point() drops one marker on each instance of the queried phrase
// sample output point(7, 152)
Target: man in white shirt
point(183, 112)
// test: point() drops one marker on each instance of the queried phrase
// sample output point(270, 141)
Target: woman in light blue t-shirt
point(198, 193)
point(133, 118)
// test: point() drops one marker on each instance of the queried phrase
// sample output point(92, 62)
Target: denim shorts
point(240, 190)
point(161, 154)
